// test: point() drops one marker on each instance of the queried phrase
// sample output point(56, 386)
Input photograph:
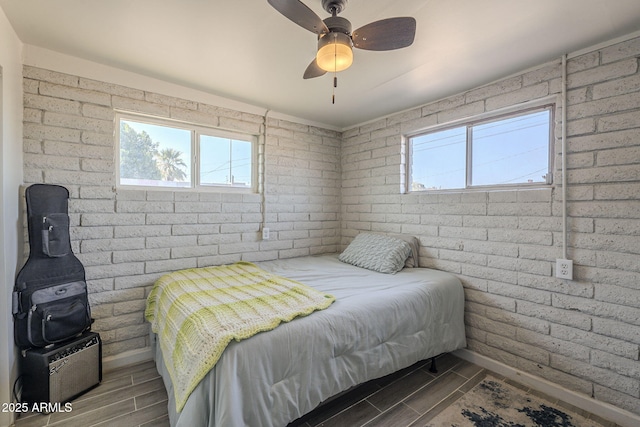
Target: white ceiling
point(246, 51)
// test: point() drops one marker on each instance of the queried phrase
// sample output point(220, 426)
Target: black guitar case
point(50, 302)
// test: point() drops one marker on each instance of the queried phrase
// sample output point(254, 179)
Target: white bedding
point(380, 323)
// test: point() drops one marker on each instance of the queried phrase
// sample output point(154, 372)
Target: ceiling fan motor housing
point(336, 24)
point(339, 32)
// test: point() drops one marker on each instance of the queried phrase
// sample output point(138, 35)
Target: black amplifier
point(63, 371)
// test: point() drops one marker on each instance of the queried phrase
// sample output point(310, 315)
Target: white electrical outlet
point(265, 233)
point(564, 269)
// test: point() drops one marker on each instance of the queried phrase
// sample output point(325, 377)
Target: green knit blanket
point(197, 312)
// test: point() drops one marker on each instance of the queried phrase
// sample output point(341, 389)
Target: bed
point(378, 324)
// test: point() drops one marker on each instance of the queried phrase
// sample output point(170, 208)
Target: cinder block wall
point(582, 334)
point(128, 238)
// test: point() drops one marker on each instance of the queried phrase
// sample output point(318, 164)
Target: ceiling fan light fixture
point(335, 52)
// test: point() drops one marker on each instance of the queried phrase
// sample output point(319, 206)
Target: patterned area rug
point(493, 403)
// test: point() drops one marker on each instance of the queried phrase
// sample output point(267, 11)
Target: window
point(225, 161)
point(163, 153)
point(501, 151)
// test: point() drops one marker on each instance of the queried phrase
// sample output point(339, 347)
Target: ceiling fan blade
point(300, 13)
point(313, 71)
point(386, 34)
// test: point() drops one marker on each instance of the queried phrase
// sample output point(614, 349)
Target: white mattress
point(380, 323)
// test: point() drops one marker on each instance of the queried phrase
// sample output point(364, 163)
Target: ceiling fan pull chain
point(335, 74)
point(335, 85)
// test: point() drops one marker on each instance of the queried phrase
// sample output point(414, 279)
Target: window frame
point(196, 130)
point(495, 116)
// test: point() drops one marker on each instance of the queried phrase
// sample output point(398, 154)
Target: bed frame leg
point(433, 366)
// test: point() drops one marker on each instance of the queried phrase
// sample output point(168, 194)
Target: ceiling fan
point(335, 38)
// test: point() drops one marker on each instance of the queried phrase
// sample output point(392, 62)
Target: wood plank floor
point(135, 396)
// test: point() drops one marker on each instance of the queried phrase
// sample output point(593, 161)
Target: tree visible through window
point(154, 155)
point(158, 155)
point(171, 165)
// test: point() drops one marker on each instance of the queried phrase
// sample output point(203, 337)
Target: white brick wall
point(128, 238)
point(321, 188)
point(582, 334)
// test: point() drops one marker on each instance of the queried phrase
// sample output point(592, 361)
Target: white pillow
point(376, 252)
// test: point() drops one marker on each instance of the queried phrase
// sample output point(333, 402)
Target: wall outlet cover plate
point(564, 269)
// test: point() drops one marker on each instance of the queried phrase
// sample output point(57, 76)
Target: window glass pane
point(225, 161)
point(511, 151)
point(438, 160)
point(154, 155)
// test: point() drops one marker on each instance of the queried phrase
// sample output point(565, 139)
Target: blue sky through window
point(225, 161)
point(514, 150)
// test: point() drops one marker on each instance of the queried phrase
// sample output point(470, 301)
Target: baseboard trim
point(127, 358)
point(602, 409)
